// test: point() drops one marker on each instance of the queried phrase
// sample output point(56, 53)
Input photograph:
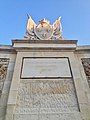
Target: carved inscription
point(46, 96)
point(3, 72)
point(86, 65)
point(57, 116)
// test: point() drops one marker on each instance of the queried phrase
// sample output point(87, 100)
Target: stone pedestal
point(47, 82)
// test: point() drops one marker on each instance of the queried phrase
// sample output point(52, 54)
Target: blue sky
point(75, 18)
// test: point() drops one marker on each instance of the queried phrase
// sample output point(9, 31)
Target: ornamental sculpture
point(43, 30)
point(86, 65)
point(3, 72)
point(3, 68)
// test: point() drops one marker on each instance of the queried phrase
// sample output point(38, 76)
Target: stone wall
point(57, 87)
point(7, 61)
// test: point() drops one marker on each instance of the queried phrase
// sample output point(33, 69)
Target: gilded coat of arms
point(43, 30)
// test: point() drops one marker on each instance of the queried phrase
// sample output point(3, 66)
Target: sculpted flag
point(57, 25)
point(43, 31)
point(30, 24)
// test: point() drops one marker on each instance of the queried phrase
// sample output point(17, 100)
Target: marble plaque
point(45, 67)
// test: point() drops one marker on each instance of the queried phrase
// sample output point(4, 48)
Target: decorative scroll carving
point(3, 71)
point(86, 65)
point(46, 96)
point(43, 31)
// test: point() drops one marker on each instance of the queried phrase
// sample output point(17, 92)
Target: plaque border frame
point(45, 77)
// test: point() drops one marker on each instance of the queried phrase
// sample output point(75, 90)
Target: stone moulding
point(44, 44)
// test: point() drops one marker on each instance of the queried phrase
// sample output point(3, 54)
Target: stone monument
point(46, 76)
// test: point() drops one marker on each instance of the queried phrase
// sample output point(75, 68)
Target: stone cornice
point(25, 45)
point(7, 49)
point(44, 41)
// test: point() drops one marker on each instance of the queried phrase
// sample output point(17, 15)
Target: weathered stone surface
point(57, 116)
point(46, 97)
